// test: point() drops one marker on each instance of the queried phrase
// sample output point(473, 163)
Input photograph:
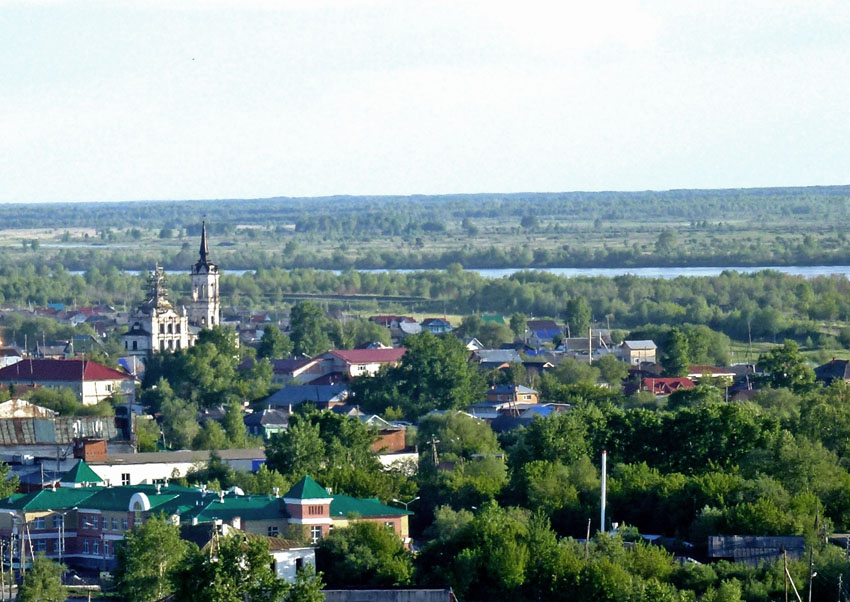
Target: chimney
point(236, 522)
point(221, 496)
point(276, 491)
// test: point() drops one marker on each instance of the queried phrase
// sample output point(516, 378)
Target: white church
point(157, 325)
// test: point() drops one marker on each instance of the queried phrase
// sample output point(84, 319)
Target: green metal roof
point(244, 506)
point(307, 489)
point(492, 319)
point(81, 473)
point(345, 505)
point(47, 499)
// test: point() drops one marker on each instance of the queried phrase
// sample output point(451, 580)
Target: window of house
point(114, 524)
point(123, 524)
point(41, 545)
point(299, 564)
point(315, 533)
point(58, 521)
point(96, 547)
point(85, 546)
point(135, 345)
point(273, 531)
point(125, 345)
point(125, 478)
point(106, 549)
point(40, 522)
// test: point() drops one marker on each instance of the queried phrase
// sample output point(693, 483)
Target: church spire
point(205, 248)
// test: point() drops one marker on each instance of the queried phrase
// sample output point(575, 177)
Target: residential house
point(599, 344)
point(726, 375)
point(494, 359)
point(359, 362)
point(513, 394)
point(324, 397)
point(661, 386)
point(473, 344)
point(541, 332)
point(636, 353)
point(90, 381)
point(10, 355)
point(294, 370)
point(266, 422)
point(399, 326)
point(436, 325)
point(832, 371)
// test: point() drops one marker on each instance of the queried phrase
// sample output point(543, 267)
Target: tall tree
point(234, 425)
point(433, 374)
point(519, 324)
point(149, 559)
point(786, 367)
point(274, 344)
point(42, 582)
point(577, 316)
point(675, 354)
point(235, 568)
point(364, 553)
point(309, 329)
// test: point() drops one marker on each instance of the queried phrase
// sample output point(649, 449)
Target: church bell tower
point(205, 310)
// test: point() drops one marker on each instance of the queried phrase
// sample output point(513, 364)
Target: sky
point(148, 100)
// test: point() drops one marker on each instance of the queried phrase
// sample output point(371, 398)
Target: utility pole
point(587, 541)
point(434, 441)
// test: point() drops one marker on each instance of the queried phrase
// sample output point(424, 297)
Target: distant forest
point(736, 227)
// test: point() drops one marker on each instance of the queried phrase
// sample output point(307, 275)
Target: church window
point(162, 345)
point(171, 329)
point(178, 344)
point(135, 345)
point(125, 345)
point(177, 328)
point(162, 329)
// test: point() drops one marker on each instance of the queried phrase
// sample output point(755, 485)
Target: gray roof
point(267, 418)
point(295, 394)
point(61, 431)
point(498, 356)
point(640, 344)
point(183, 456)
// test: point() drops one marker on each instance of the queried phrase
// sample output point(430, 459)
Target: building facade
point(158, 326)
point(205, 310)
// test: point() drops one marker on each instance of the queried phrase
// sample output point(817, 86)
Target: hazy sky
point(125, 100)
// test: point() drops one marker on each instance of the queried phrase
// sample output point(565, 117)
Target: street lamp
point(407, 503)
point(62, 529)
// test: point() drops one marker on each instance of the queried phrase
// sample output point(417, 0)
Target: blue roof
point(506, 389)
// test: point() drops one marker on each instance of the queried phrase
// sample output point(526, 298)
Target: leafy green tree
point(666, 242)
point(211, 436)
point(364, 553)
point(493, 335)
point(307, 587)
point(611, 370)
point(702, 393)
point(274, 344)
point(149, 560)
point(298, 450)
point(309, 329)
point(675, 354)
point(470, 326)
point(179, 422)
point(42, 582)
point(577, 316)
point(459, 436)
point(471, 483)
point(234, 425)
point(433, 374)
point(147, 433)
point(786, 367)
point(235, 568)
point(573, 371)
point(359, 332)
point(519, 324)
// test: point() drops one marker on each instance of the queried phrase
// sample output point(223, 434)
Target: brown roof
point(369, 356)
point(60, 370)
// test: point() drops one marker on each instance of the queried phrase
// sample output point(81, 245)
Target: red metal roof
point(60, 370)
point(369, 356)
point(665, 386)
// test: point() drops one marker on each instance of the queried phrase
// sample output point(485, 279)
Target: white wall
point(284, 561)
